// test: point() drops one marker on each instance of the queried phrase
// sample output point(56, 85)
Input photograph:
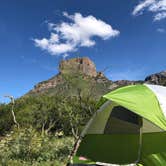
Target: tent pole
point(140, 144)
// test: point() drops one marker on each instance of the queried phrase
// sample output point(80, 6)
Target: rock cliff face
point(158, 78)
point(82, 65)
point(48, 84)
point(72, 68)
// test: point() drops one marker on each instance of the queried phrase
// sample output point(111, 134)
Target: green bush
point(59, 112)
point(49, 114)
point(28, 147)
point(6, 122)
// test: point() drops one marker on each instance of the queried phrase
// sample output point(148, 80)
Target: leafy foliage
point(49, 113)
point(43, 121)
point(28, 147)
point(5, 118)
point(48, 124)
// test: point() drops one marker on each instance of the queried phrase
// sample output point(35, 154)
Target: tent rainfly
point(128, 129)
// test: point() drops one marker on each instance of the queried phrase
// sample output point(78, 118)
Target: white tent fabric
point(160, 93)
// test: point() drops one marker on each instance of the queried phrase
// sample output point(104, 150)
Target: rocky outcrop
point(51, 83)
point(157, 78)
point(81, 65)
point(121, 83)
point(101, 78)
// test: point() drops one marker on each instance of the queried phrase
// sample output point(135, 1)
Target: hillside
point(75, 75)
point(78, 75)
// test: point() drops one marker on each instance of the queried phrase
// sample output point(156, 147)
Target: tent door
point(125, 123)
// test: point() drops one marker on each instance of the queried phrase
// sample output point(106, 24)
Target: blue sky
point(132, 49)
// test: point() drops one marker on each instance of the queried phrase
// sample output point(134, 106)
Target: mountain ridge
point(75, 73)
point(83, 71)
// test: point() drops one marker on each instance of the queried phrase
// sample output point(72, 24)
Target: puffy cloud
point(158, 7)
point(78, 32)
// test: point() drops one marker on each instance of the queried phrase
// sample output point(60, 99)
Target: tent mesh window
point(122, 120)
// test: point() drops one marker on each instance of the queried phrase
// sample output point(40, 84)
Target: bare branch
point(12, 109)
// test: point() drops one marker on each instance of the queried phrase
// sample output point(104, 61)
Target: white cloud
point(78, 32)
point(161, 30)
point(160, 16)
point(157, 7)
point(141, 6)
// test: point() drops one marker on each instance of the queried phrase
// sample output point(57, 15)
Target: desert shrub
point(49, 114)
point(28, 147)
point(6, 121)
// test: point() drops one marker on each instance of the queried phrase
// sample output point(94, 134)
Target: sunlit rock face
point(80, 65)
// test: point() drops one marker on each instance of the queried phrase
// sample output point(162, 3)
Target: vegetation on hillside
point(28, 147)
point(48, 126)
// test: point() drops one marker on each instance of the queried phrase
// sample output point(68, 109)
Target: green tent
point(128, 129)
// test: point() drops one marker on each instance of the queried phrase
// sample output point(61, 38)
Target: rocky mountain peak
point(157, 78)
point(81, 65)
point(72, 68)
